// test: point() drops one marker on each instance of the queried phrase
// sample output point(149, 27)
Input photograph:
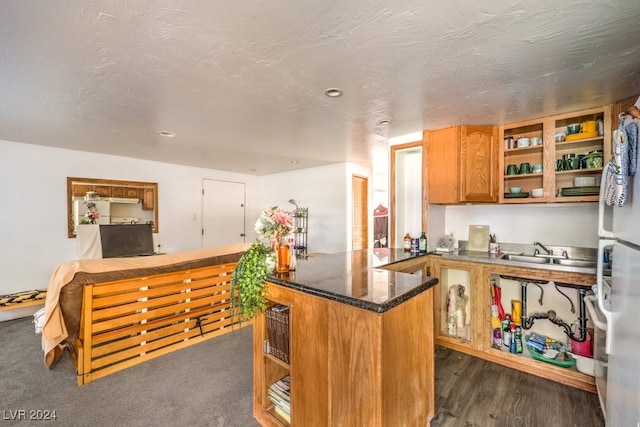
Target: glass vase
point(283, 258)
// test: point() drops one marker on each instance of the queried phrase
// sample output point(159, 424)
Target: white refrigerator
point(618, 299)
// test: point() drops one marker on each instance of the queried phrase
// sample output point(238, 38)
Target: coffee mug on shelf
point(582, 163)
point(572, 163)
point(512, 170)
point(559, 165)
point(525, 168)
point(537, 168)
point(508, 142)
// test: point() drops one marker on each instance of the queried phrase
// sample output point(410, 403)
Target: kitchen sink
point(526, 258)
point(583, 263)
point(580, 263)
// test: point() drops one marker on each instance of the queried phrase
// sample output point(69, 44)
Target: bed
point(113, 313)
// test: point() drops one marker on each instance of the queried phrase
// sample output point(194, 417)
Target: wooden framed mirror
point(110, 202)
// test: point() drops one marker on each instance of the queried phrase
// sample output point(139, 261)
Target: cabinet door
point(443, 156)
point(117, 191)
point(479, 164)
point(80, 189)
point(102, 190)
point(148, 201)
point(457, 304)
point(132, 193)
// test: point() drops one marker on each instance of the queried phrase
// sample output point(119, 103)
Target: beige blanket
point(55, 331)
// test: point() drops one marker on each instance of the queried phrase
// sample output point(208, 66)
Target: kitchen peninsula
point(360, 329)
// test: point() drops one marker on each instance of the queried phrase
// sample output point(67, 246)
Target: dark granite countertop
point(357, 278)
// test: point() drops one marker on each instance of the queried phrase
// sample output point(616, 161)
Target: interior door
point(360, 227)
point(223, 212)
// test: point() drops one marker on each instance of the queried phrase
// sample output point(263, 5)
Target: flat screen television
point(126, 240)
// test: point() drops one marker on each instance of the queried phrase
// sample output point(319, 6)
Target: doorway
point(360, 225)
point(223, 213)
point(408, 192)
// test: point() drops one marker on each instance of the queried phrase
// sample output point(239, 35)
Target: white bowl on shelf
point(537, 192)
point(584, 181)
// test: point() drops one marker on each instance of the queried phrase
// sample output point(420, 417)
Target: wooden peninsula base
point(350, 366)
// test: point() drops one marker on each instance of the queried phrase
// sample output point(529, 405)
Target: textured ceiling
point(241, 82)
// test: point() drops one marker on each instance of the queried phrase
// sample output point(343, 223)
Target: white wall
point(33, 211)
point(325, 190)
point(560, 224)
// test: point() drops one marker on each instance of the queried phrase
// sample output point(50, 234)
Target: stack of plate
point(581, 191)
point(516, 195)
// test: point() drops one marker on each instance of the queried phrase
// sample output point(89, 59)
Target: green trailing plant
point(248, 288)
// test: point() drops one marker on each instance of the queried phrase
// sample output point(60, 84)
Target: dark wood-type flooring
point(473, 392)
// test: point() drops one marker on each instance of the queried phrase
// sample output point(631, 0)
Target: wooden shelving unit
point(300, 230)
point(272, 369)
point(551, 181)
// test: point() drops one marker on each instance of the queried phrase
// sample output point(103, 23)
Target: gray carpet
point(208, 384)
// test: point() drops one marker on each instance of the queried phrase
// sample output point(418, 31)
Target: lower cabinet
point(346, 365)
point(307, 364)
point(469, 284)
point(457, 304)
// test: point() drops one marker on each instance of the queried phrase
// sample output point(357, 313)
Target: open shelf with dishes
point(579, 156)
point(574, 145)
point(523, 163)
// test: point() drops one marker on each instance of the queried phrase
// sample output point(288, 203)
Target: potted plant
point(248, 287)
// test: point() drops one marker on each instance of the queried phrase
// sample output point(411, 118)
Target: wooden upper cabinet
point(126, 192)
point(102, 190)
point(81, 189)
point(462, 164)
point(149, 199)
point(479, 164)
point(443, 158)
point(118, 191)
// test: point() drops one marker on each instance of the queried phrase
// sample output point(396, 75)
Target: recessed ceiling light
point(384, 122)
point(167, 134)
point(333, 92)
point(294, 162)
point(253, 169)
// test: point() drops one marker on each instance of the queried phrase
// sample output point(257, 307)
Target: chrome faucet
point(536, 252)
point(549, 253)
